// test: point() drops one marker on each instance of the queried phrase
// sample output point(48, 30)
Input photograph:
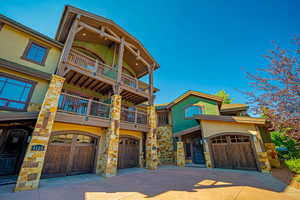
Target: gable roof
point(30, 31)
point(69, 15)
point(198, 94)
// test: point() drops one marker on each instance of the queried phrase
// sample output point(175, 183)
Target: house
point(76, 104)
point(95, 114)
point(27, 61)
point(208, 132)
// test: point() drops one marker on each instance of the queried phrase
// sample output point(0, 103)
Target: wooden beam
point(120, 67)
point(100, 32)
point(128, 45)
point(150, 71)
point(68, 45)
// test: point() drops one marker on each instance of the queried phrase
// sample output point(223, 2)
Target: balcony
point(79, 110)
point(134, 120)
point(90, 73)
point(82, 106)
point(133, 116)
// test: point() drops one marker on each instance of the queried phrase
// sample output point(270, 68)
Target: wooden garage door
point(128, 152)
point(69, 154)
point(234, 152)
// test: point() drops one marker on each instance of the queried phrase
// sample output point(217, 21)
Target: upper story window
point(162, 118)
point(36, 53)
point(15, 92)
point(192, 110)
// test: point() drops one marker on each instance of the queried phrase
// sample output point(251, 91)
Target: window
point(193, 110)
point(162, 118)
point(15, 92)
point(35, 53)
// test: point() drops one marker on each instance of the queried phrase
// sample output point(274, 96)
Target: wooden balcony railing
point(82, 106)
point(133, 116)
point(94, 66)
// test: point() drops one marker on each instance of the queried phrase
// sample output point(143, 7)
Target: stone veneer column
point(151, 140)
point(272, 155)
point(110, 151)
point(32, 165)
point(180, 157)
point(207, 154)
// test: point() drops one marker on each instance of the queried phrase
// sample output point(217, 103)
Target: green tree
point(226, 97)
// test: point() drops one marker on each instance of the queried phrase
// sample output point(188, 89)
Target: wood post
point(120, 66)
point(151, 99)
point(68, 45)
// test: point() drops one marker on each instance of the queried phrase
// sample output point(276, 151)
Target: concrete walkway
point(167, 183)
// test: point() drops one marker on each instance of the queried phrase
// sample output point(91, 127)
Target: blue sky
point(200, 45)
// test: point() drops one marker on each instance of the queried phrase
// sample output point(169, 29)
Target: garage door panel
point(128, 153)
point(233, 151)
point(56, 160)
point(83, 159)
point(69, 154)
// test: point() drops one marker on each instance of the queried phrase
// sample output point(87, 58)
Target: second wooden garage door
point(69, 154)
point(234, 152)
point(128, 152)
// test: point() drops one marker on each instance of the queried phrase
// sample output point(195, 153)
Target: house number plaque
point(38, 147)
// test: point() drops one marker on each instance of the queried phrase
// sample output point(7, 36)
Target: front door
point(13, 143)
point(69, 154)
point(198, 157)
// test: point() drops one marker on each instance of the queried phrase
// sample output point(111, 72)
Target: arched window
point(192, 110)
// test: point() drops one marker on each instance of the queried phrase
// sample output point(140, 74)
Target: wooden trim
point(187, 131)
point(30, 42)
point(1, 25)
point(14, 116)
point(237, 119)
point(24, 69)
point(195, 93)
point(33, 83)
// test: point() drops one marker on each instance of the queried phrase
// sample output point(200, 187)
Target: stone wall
point(151, 140)
point(272, 155)
point(180, 156)
point(264, 163)
point(165, 145)
point(32, 165)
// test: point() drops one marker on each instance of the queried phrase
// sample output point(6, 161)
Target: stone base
point(180, 160)
point(272, 155)
point(265, 166)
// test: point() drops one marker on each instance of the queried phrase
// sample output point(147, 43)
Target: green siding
point(103, 52)
point(178, 119)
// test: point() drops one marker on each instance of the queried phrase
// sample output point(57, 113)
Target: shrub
point(282, 141)
point(293, 165)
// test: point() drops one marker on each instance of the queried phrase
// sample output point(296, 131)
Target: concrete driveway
point(168, 183)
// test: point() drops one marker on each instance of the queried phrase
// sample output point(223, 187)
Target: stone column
point(32, 165)
point(264, 163)
point(110, 151)
point(180, 157)
point(272, 155)
point(207, 154)
point(151, 140)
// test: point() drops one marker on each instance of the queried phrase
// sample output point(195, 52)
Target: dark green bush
point(293, 165)
point(281, 140)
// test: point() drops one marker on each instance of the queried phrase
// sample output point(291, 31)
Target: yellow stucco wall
point(214, 127)
point(60, 126)
point(39, 90)
point(131, 133)
point(13, 43)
